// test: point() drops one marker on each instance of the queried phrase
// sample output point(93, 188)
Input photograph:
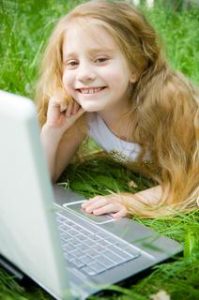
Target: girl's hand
point(61, 114)
point(110, 204)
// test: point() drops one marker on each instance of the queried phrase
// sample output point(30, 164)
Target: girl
point(103, 68)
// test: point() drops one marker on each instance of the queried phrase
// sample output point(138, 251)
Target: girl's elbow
point(54, 178)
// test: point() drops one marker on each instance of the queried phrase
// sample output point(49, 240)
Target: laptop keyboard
point(92, 251)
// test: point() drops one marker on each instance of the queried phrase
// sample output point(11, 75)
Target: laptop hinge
point(11, 268)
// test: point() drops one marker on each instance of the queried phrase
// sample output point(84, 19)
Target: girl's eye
point(101, 59)
point(71, 63)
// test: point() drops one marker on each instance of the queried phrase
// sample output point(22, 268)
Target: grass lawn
point(24, 28)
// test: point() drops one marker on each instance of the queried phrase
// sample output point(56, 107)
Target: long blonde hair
point(164, 105)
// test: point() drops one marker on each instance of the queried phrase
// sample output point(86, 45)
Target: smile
point(90, 90)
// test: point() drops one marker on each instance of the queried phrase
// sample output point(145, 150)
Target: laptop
point(46, 236)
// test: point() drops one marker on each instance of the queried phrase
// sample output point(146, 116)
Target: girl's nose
point(85, 73)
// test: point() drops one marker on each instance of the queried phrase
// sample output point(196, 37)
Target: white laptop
point(43, 232)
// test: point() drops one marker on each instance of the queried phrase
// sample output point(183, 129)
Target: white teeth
point(90, 91)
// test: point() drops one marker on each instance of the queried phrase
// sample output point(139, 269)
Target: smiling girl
point(103, 65)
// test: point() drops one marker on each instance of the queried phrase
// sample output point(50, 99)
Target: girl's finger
point(76, 107)
point(109, 208)
point(53, 113)
point(120, 214)
point(69, 109)
point(63, 107)
point(58, 99)
point(95, 205)
point(80, 112)
point(69, 121)
point(92, 200)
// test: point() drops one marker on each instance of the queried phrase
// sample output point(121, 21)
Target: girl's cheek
point(67, 86)
point(67, 78)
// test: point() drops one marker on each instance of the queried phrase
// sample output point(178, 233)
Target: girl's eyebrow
point(91, 51)
point(104, 50)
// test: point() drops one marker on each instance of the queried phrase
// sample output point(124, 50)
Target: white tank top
point(104, 137)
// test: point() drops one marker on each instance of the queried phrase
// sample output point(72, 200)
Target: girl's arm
point(60, 148)
point(60, 136)
point(149, 196)
point(120, 204)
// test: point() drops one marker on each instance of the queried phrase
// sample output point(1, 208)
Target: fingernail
point(63, 107)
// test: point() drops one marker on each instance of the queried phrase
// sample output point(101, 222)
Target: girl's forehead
point(90, 33)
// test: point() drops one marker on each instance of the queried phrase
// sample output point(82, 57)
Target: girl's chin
point(90, 108)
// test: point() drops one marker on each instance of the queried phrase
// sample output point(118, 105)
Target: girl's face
point(96, 73)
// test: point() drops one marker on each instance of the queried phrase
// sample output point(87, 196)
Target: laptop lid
point(28, 236)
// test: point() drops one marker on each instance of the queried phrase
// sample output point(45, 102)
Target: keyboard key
point(75, 242)
point(97, 267)
point(68, 256)
point(112, 256)
point(88, 271)
point(73, 232)
point(83, 231)
point(89, 235)
point(77, 253)
point(97, 238)
point(60, 217)
point(68, 247)
point(76, 227)
point(65, 236)
point(92, 253)
point(112, 240)
point(68, 222)
point(98, 248)
point(86, 259)
point(119, 252)
point(89, 243)
point(82, 237)
point(77, 263)
point(82, 247)
point(105, 261)
point(105, 243)
point(132, 251)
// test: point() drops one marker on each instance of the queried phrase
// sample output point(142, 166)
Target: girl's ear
point(133, 78)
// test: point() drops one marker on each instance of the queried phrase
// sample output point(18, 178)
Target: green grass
point(24, 28)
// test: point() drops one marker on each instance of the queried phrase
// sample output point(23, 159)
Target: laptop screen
point(28, 236)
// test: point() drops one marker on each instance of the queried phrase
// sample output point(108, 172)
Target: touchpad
point(76, 207)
